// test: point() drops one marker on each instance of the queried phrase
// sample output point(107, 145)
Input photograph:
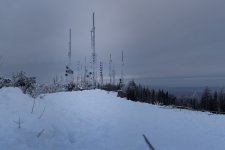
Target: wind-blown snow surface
point(97, 120)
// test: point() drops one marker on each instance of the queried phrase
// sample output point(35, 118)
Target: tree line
point(208, 101)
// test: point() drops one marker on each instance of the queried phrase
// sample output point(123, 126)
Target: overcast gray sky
point(166, 39)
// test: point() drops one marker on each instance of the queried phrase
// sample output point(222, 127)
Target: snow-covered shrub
point(42, 89)
point(70, 87)
point(56, 87)
point(5, 82)
point(25, 83)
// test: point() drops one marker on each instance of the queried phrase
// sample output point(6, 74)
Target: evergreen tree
point(206, 98)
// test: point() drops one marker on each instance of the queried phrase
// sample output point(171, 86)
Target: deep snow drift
point(98, 120)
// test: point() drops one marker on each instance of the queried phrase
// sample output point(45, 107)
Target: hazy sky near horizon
point(167, 39)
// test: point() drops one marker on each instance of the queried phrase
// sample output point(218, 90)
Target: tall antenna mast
point(78, 73)
point(101, 73)
point(113, 74)
point(110, 69)
point(85, 73)
point(93, 53)
point(70, 47)
point(122, 72)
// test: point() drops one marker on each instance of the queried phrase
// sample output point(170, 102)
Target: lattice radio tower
point(94, 75)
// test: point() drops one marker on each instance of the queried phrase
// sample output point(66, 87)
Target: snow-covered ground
point(98, 120)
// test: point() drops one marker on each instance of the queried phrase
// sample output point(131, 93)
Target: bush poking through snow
point(26, 84)
point(70, 87)
point(5, 82)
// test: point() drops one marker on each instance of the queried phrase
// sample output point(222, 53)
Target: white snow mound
point(98, 120)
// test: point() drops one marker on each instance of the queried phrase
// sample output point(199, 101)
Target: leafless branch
point(148, 143)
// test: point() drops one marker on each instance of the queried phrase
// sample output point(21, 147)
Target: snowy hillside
point(97, 120)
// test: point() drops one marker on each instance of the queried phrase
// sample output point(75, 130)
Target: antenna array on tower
point(88, 78)
point(69, 71)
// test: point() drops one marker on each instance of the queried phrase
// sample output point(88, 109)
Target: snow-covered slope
point(97, 120)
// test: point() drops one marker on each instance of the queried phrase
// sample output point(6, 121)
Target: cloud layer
point(160, 38)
